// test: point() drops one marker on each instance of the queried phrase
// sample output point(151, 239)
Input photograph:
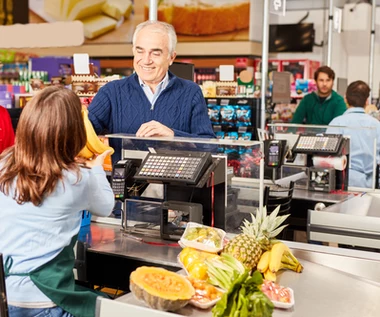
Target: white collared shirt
point(152, 97)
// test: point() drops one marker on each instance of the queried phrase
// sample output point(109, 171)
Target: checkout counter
point(320, 169)
point(112, 252)
point(335, 282)
point(163, 183)
point(354, 223)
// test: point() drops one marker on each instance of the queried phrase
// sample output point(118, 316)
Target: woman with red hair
point(7, 136)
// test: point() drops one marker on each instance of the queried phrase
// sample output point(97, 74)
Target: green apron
point(56, 280)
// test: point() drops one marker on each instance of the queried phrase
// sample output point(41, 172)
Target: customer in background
point(153, 101)
point(323, 105)
point(43, 190)
point(7, 136)
point(355, 123)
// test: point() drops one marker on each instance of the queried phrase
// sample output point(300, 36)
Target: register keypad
point(171, 167)
point(314, 143)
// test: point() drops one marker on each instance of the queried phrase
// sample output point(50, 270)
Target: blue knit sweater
point(121, 106)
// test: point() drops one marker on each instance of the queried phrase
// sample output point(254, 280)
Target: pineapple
point(256, 236)
point(245, 249)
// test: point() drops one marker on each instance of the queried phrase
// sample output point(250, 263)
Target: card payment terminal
point(122, 177)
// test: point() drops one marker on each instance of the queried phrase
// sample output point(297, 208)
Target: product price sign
point(277, 7)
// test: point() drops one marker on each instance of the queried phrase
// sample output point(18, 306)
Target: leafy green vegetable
point(222, 272)
point(243, 296)
point(244, 299)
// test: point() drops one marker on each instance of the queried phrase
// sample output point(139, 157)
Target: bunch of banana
point(93, 145)
point(278, 258)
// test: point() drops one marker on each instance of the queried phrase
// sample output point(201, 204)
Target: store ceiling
point(318, 4)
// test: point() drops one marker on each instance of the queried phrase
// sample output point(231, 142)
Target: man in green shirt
point(323, 105)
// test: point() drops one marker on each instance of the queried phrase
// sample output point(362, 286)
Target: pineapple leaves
point(261, 214)
point(277, 231)
point(264, 227)
point(273, 215)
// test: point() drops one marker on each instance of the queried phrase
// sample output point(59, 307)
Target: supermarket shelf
point(238, 48)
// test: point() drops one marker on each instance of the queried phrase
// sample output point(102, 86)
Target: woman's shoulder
point(76, 176)
point(84, 172)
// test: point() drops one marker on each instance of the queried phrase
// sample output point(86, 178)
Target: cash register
point(193, 188)
point(321, 151)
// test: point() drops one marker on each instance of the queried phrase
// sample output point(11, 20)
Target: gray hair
point(158, 27)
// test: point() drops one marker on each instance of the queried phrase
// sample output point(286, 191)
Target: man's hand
point(154, 128)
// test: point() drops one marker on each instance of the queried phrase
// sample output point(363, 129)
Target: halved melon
point(160, 288)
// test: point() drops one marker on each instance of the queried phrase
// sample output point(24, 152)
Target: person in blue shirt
point(152, 101)
point(357, 124)
point(43, 192)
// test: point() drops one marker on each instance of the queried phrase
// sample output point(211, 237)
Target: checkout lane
point(109, 247)
point(354, 292)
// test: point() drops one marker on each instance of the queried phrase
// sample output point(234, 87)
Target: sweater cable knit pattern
point(121, 106)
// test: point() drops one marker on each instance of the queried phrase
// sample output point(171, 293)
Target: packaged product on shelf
point(283, 112)
point(57, 81)
point(227, 114)
point(219, 135)
point(302, 86)
point(246, 136)
point(209, 89)
point(214, 113)
point(312, 86)
point(6, 99)
point(224, 89)
point(100, 82)
point(85, 101)
point(83, 84)
point(231, 135)
point(243, 116)
point(232, 151)
point(36, 84)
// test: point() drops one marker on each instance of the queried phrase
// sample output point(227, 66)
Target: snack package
point(231, 135)
point(246, 136)
point(227, 114)
point(232, 152)
point(302, 86)
point(312, 86)
point(203, 237)
point(214, 113)
point(226, 89)
point(209, 89)
point(220, 135)
point(243, 116)
point(244, 150)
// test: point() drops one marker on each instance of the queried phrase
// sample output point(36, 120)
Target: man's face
point(151, 56)
point(324, 85)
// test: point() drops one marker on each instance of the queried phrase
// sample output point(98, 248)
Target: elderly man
point(152, 101)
